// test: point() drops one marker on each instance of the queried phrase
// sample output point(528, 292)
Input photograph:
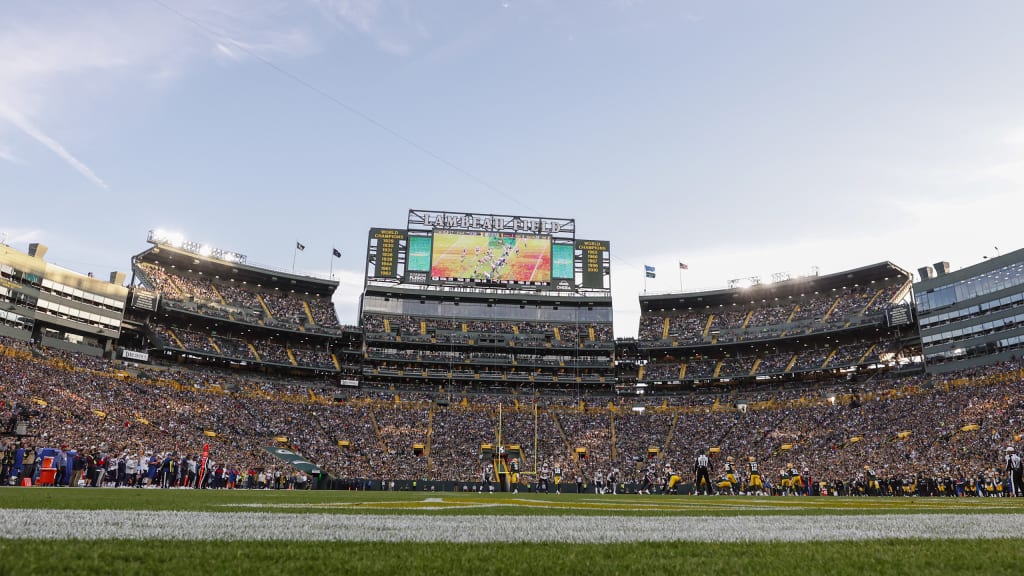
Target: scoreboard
point(486, 250)
point(142, 299)
point(385, 246)
point(593, 256)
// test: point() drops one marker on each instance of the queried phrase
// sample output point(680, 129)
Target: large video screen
point(489, 257)
point(562, 256)
point(419, 254)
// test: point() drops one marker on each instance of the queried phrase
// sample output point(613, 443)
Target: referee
point(1013, 469)
point(702, 472)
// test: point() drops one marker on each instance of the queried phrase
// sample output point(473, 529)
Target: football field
point(484, 257)
point(76, 531)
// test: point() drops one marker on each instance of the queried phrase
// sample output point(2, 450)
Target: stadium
point(483, 367)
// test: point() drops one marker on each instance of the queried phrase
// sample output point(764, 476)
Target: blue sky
point(741, 138)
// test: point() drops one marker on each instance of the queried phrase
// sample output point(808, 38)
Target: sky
point(741, 139)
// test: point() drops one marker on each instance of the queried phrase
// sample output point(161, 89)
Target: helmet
point(751, 458)
point(729, 459)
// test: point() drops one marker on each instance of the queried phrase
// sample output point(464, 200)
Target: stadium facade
point(464, 300)
point(193, 303)
point(973, 316)
point(461, 311)
point(56, 307)
point(478, 300)
point(820, 328)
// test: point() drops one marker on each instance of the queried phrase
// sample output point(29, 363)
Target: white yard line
point(261, 526)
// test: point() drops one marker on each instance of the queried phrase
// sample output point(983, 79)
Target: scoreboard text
point(386, 264)
point(592, 256)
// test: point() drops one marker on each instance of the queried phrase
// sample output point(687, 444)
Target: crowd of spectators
point(268, 351)
point(931, 431)
point(446, 330)
point(243, 303)
point(803, 360)
point(486, 350)
point(768, 319)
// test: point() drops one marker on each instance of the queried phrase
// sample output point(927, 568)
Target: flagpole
point(295, 252)
point(332, 265)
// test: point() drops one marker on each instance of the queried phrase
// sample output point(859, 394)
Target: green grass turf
point(465, 503)
point(917, 557)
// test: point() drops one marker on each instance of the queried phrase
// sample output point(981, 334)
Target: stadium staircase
point(831, 308)
point(757, 364)
point(266, 309)
point(831, 355)
point(640, 374)
point(429, 443)
point(558, 335)
point(255, 354)
point(867, 354)
point(176, 340)
point(376, 430)
point(870, 302)
point(423, 327)
point(746, 320)
point(614, 448)
point(561, 433)
point(707, 326)
point(334, 360)
point(291, 357)
point(726, 434)
point(792, 314)
point(671, 433)
point(791, 363)
point(309, 313)
point(176, 286)
point(718, 368)
point(213, 345)
point(590, 332)
point(220, 297)
point(665, 328)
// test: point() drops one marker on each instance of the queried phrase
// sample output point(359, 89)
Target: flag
point(336, 253)
point(299, 247)
point(202, 466)
point(648, 271)
point(683, 266)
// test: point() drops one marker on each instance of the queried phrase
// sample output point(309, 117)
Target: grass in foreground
point(482, 504)
point(918, 557)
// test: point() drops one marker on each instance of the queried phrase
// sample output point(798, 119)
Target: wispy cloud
point(391, 33)
point(47, 53)
point(14, 236)
point(358, 13)
point(6, 154)
point(291, 43)
point(26, 126)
